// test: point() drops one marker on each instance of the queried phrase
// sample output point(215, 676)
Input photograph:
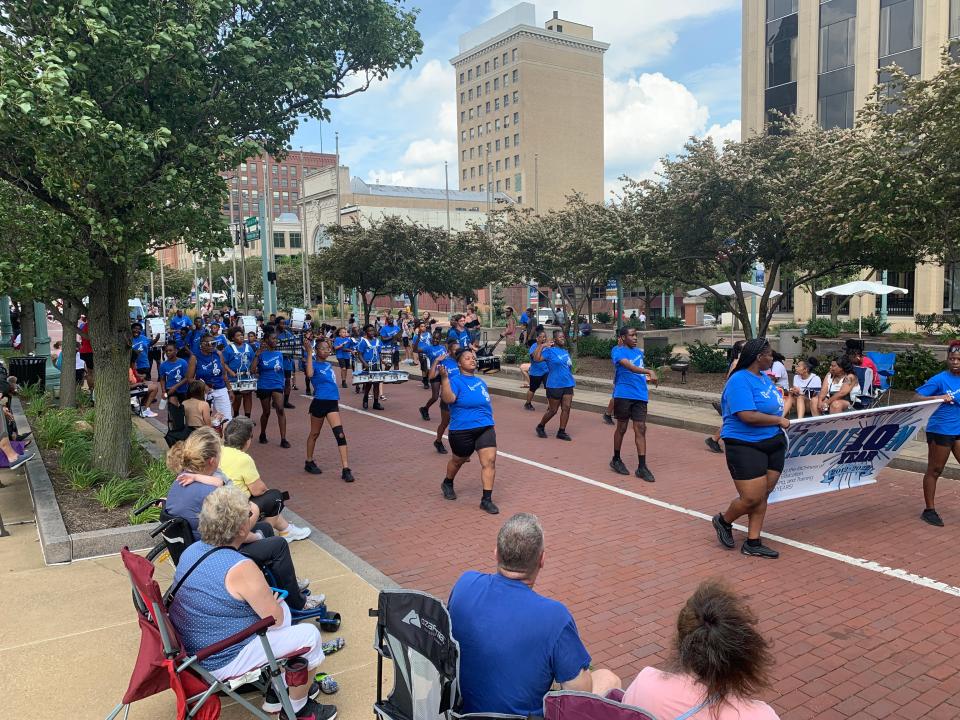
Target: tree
point(120, 115)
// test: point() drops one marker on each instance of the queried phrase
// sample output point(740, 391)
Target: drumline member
point(210, 367)
point(355, 338)
point(238, 355)
point(471, 426)
point(943, 428)
point(369, 349)
point(267, 366)
point(325, 406)
point(343, 346)
point(560, 383)
point(446, 360)
point(219, 341)
point(754, 444)
point(173, 375)
point(405, 331)
point(430, 355)
point(537, 372)
point(421, 340)
point(283, 334)
point(389, 334)
point(459, 332)
point(630, 398)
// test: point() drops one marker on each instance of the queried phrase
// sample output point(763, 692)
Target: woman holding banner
point(943, 428)
point(754, 444)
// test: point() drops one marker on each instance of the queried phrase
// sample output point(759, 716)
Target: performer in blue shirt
point(141, 344)
point(630, 400)
point(537, 370)
point(219, 340)
point(369, 349)
point(173, 375)
point(943, 428)
point(560, 382)
point(239, 355)
point(209, 366)
point(390, 336)
point(447, 360)
point(267, 366)
point(458, 331)
point(343, 346)
point(471, 426)
point(430, 354)
point(421, 340)
point(324, 406)
point(179, 320)
point(289, 381)
point(754, 442)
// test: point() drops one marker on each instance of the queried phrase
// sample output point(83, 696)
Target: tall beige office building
point(821, 59)
point(530, 109)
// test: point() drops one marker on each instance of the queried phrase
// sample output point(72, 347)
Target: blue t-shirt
point(946, 418)
point(209, 368)
point(174, 372)
point(626, 383)
point(343, 346)
point(270, 371)
point(389, 334)
point(559, 365)
point(461, 336)
point(537, 369)
point(424, 340)
point(141, 344)
point(177, 322)
point(219, 341)
point(746, 391)
point(472, 408)
point(524, 319)
point(181, 339)
point(451, 365)
point(324, 381)
point(513, 644)
point(432, 352)
point(370, 350)
point(238, 357)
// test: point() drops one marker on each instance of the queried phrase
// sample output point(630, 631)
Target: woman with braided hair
point(754, 444)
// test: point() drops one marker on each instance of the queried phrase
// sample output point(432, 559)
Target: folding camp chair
point(162, 663)
point(886, 369)
point(177, 429)
point(137, 394)
point(571, 705)
point(868, 395)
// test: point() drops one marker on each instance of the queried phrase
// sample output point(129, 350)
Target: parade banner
point(838, 452)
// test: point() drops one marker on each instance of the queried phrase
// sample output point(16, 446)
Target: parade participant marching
point(210, 367)
point(179, 320)
point(446, 360)
point(173, 375)
point(537, 372)
point(343, 346)
point(431, 354)
point(141, 344)
point(284, 335)
point(943, 428)
point(239, 355)
point(406, 329)
point(459, 332)
point(219, 341)
point(422, 340)
point(267, 365)
point(369, 349)
point(309, 340)
point(195, 335)
point(560, 383)
point(324, 406)
point(754, 444)
point(389, 336)
point(355, 337)
point(630, 401)
point(471, 426)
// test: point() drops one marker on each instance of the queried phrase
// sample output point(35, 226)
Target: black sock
point(753, 542)
point(724, 521)
point(542, 426)
point(643, 461)
point(616, 455)
point(448, 481)
point(488, 494)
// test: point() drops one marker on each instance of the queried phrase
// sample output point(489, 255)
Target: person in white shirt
point(778, 373)
point(805, 389)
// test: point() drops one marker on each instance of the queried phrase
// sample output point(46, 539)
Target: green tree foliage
point(120, 115)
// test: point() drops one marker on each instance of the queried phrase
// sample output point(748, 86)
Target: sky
point(672, 71)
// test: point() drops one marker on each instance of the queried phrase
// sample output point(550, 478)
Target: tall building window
point(516, 161)
point(901, 25)
point(516, 140)
point(507, 183)
point(471, 153)
point(516, 182)
point(513, 55)
point(478, 72)
point(835, 111)
point(516, 118)
point(835, 82)
point(777, 9)
point(463, 116)
point(470, 94)
point(293, 171)
point(295, 240)
point(506, 80)
point(470, 74)
point(487, 107)
point(488, 128)
point(496, 124)
point(462, 98)
point(496, 62)
point(461, 78)
point(506, 100)
point(955, 18)
point(463, 136)
point(470, 113)
point(498, 167)
point(506, 163)
point(837, 40)
point(516, 75)
point(496, 80)
point(464, 173)
point(497, 145)
point(781, 70)
point(278, 239)
point(486, 66)
point(498, 185)
point(486, 88)
point(496, 104)
point(516, 96)
point(506, 121)
point(243, 167)
point(506, 141)
point(951, 287)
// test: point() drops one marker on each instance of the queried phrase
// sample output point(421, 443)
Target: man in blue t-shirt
point(630, 400)
point(179, 321)
point(515, 643)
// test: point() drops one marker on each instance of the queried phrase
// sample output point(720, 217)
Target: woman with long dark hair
point(754, 444)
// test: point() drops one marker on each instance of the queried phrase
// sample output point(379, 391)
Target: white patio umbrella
point(726, 290)
point(862, 287)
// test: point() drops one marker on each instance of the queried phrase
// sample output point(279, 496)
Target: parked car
point(546, 316)
point(710, 320)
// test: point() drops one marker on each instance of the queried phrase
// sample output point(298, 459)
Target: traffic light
point(271, 276)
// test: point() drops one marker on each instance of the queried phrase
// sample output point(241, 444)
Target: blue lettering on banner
point(860, 443)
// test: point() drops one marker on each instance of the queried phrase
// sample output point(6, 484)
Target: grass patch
point(118, 491)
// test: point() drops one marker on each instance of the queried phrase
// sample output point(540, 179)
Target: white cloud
point(429, 152)
point(431, 177)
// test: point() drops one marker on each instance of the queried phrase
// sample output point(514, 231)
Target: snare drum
point(245, 384)
point(389, 377)
point(488, 364)
point(386, 359)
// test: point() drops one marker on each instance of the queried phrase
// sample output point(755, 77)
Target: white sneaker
point(303, 583)
point(314, 601)
point(147, 412)
point(293, 533)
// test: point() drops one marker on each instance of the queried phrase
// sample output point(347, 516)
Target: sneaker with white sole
point(315, 601)
point(313, 711)
point(271, 703)
point(303, 584)
point(293, 533)
point(148, 413)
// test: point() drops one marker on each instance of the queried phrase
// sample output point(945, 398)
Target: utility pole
point(163, 292)
point(446, 183)
point(235, 236)
point(536, 183)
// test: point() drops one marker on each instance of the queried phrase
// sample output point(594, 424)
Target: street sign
point(533, 296)
point(611, 291)
point(253, 228)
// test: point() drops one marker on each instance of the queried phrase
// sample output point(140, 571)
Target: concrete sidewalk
point(69, 635)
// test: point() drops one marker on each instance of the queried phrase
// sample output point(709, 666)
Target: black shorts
point(435, 379)
point(749, 460)
point(344, 363)
point(558, 393)
point(270, 503)
point(287, 374)
point(464, 442)
point(941, 439)
point(267, 394)
point(628, 409)
point(536, 381)
point(87, 359)
point(406, 342)
point(145, 371)
point(322, 408)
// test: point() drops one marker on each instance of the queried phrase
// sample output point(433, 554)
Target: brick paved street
point(850, 641)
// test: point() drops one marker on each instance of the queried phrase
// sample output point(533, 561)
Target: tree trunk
point(590, 307)
point(28, 327)
point(68, 363)
point(834, 308)
point(110, 337)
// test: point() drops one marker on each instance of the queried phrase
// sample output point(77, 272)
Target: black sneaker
point(619, 467)
point(644, 472)
point(931, 517)
point(263, 439)
point(425, 414)
point(713, 445)
point(488, 506)
point(346, 475)
point(724, 531)
point(366, 403)
point(313, 711)
point(541, 431)
point(284, 443)
point(759, 551)
point(311, 467)
point(448, 492)
point(562, 435)
point(528, 406)
point(438, 444)
point(289, 406)
point(356, 389)
point(377, 406)
point(271, 703)
point(343, 383)
point(608, 419)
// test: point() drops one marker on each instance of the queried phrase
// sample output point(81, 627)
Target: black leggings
point(273, 553)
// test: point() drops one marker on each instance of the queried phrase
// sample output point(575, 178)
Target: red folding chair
point(162, 663)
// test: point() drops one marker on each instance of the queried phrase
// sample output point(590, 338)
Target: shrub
point(875, 325)
point(516, 353)
point(707, 358)
point(658, 356)
point(157, 479)
point(76, 453)
point(147, 516)
point(54, 426)
point(604, 317)
point(823, 327)
point(84, 478)
point(117, 491)
point(664, 322)
point(598, 347)
point(914, 367)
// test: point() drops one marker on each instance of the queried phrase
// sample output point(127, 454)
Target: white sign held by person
point(249, 323)
point(155, 326)
point(838, 452)
point(297, 318)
